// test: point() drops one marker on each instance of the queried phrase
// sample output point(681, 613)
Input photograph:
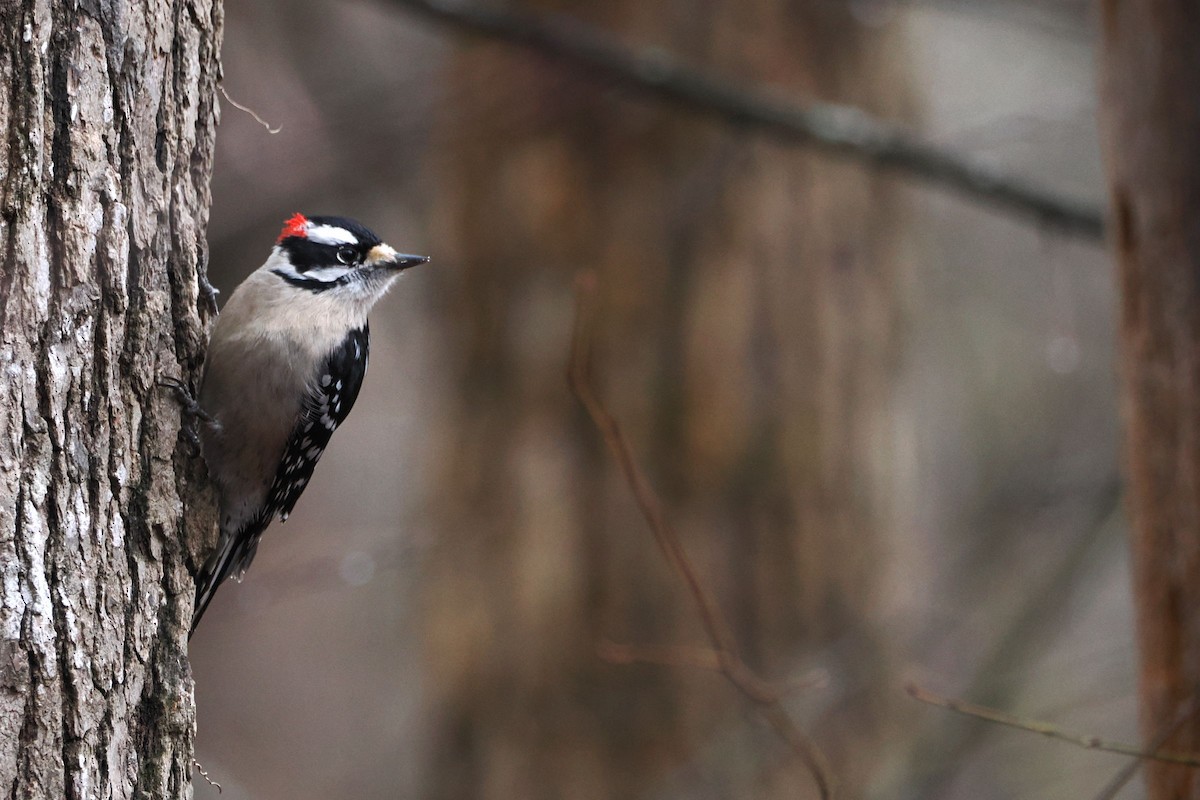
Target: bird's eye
point(347, 255)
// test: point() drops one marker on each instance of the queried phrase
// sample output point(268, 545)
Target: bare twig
point(1017, 641)
point(1048, 730)
point(708, 659)
point(579, 379)
point(1119, 781)
point(664, 656)
point(204, 774)
point(1114, 787)
point(842, 130)
point(248, 110)
point(723, 657)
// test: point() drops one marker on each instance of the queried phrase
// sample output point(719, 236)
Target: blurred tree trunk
point(1151, 125)
point(748, 322)
point(108, 116)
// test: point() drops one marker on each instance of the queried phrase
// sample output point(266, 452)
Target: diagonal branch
point(723, 657)
point(1048, 730)
point(1127, 773)
point(841, 130)
point(707, 659)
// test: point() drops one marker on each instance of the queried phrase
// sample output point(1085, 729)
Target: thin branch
point(663, 656)
point(723, 656)
point(1114, 787)
point(708, 659)
point(579, 379)
point(1017, 642)
point(841, 130)
point(248, 110)
point(1120, 780)
point(1048, 730)
point(204, 774)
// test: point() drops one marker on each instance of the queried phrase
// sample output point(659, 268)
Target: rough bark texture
point(748, 319)
point(108, 117)
point(1151, 121)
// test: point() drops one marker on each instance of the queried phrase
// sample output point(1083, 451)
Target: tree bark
point(108, 115)
point(1151, 126)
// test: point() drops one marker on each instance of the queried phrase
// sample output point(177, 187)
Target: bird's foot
point(192, 413)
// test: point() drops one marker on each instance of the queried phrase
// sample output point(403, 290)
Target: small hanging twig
point(204, 774)
point(248, 110)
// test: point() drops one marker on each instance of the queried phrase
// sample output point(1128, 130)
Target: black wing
point(326, 406)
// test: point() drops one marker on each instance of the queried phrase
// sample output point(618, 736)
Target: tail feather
point(231, 559)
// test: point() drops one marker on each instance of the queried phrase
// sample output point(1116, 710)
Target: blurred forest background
point(881, 416)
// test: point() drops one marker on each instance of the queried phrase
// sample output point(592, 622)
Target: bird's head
point(336, 254)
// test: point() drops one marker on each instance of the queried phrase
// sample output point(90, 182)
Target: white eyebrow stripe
point(330, 234)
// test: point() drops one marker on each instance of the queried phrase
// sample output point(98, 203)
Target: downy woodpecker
point(284, 366)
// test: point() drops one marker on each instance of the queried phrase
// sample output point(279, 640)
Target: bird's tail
point(233, 555)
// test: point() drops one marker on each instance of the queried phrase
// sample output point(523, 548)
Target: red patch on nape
point(297, 225)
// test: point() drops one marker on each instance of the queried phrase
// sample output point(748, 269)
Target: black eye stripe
point(312, 284)
point(305, 254)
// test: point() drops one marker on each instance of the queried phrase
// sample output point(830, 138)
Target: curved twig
point(723, 656)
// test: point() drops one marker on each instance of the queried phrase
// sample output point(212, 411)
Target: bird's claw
point(190, 409)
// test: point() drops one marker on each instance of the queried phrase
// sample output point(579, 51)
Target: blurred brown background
point(881, 417)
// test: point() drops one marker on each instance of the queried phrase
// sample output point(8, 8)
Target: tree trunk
point(747, 321)
point(109, 117)
point(1151, 127)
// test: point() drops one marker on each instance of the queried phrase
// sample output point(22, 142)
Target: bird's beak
point(382, 255)
point(402, 261)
